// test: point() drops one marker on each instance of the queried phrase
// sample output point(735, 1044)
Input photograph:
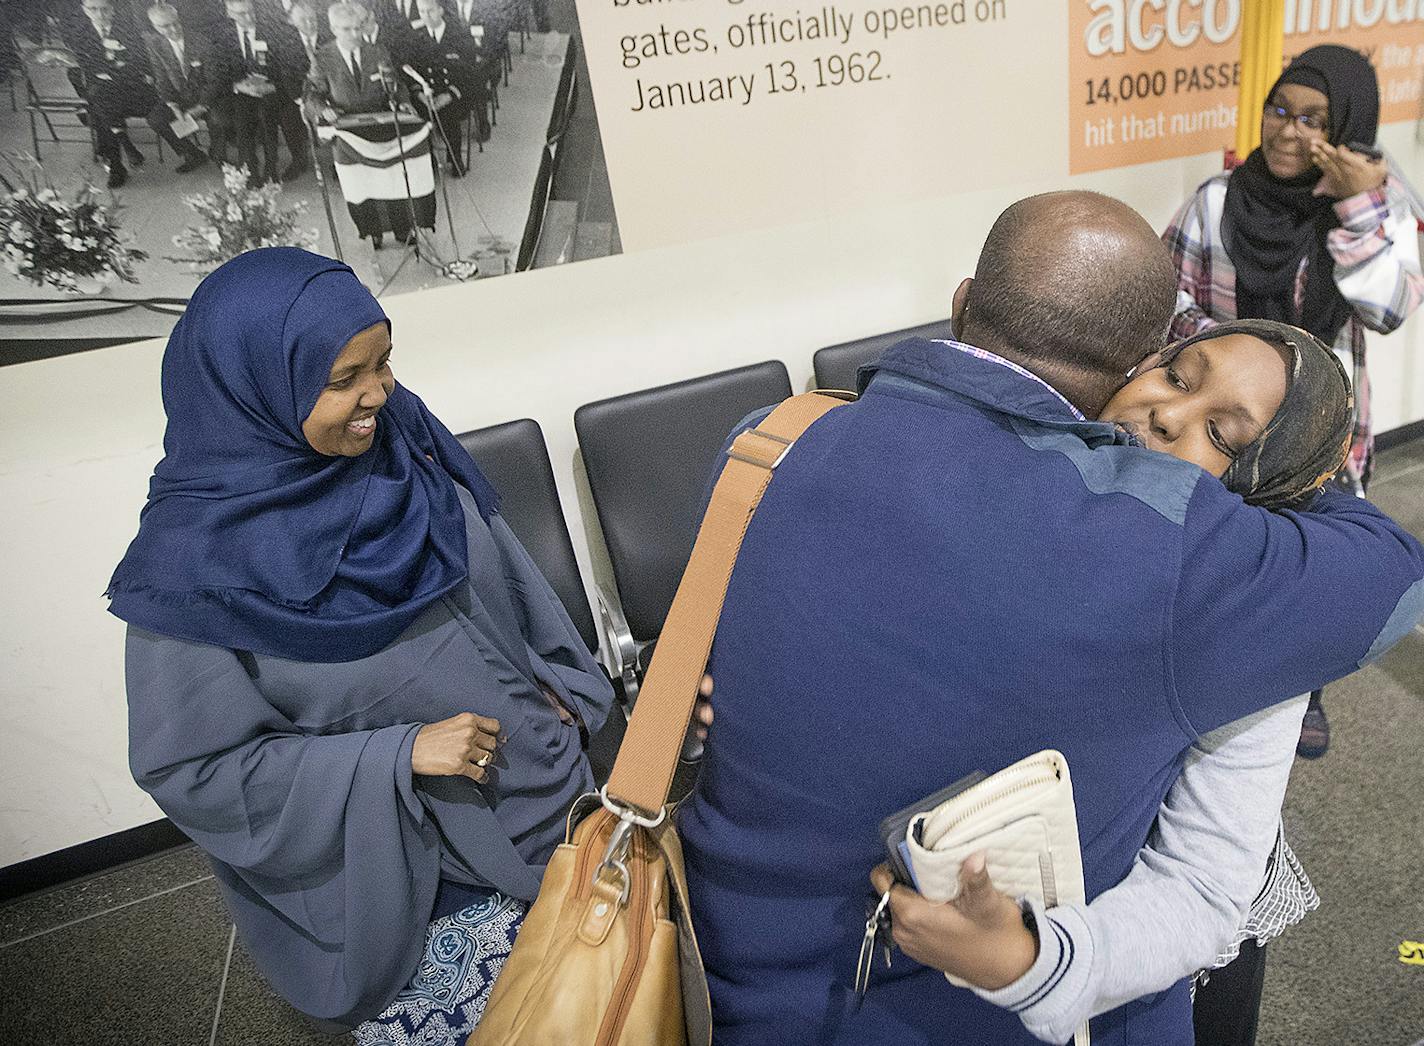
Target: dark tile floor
point(145, 954)
point(141, 954)
point(142, 947)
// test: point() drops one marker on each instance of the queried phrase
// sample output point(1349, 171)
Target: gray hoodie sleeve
point(1188, 890)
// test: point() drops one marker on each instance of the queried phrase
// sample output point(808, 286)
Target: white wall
point(82, 433)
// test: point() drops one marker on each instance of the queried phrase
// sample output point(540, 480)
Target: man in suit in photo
point(111, 78)
point(181, 77)
point(402, 26)
point(466, 16)
point(488, 24)
point(451, 65)
point(407, 11)
point(299, 40)
point(250, 71)
point(380, 27)
point(352, 73)
point(246, 68)
point(289, 74)
point(386, 190)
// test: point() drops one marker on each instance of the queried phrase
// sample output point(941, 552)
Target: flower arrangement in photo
point(491, 258)
point(71, 243)
point(461, 269)
point(238, 218)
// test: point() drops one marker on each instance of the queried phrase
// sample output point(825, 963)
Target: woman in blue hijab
point(347, 681)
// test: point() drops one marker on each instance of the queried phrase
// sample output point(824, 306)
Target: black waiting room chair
point(835, 365)
point(649, 456)
point(514, 457)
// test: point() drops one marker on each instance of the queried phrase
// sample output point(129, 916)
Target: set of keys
point(877, 931)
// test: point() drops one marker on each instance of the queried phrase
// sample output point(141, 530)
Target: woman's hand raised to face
point(462, 745)
point(1345, 173)
point(978, 937)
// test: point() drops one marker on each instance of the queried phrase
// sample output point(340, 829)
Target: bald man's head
point(1074, 285)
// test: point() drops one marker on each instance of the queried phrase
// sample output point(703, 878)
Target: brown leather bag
point(607, 955)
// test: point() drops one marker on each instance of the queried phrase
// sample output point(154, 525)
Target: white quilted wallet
point(1024, 819)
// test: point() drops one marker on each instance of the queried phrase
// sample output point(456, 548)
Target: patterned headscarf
point(1305, 443)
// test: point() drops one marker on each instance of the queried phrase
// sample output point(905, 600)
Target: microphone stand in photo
point(428, 93)
point(413, 241)
point(321, 182)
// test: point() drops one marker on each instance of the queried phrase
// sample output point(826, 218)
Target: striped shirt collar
point(985, 354)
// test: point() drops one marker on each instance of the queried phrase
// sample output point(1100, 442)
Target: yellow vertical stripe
point(1262, 46)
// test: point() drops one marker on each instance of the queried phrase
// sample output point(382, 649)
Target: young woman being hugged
point(1312, 231)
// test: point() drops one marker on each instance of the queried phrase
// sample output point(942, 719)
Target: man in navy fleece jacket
point(957, 571)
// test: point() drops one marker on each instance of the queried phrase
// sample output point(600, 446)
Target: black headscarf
point(1305, 443)
point(1271, 223)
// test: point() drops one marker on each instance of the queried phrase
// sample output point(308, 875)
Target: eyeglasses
point(1311, 122)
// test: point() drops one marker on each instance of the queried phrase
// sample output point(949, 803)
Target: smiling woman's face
point(1208, 404)
point(343, 421)
point(1285, 141)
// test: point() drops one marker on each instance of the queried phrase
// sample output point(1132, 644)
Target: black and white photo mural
point(142, 144)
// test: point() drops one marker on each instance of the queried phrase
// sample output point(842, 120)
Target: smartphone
point(1370, 152)
point(893, 828)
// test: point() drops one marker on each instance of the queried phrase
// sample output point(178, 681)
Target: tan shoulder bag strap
point(643, 772)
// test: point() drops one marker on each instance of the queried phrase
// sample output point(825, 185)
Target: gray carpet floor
point(1356, 818)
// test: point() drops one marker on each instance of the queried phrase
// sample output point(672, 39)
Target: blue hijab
point(252, 540)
